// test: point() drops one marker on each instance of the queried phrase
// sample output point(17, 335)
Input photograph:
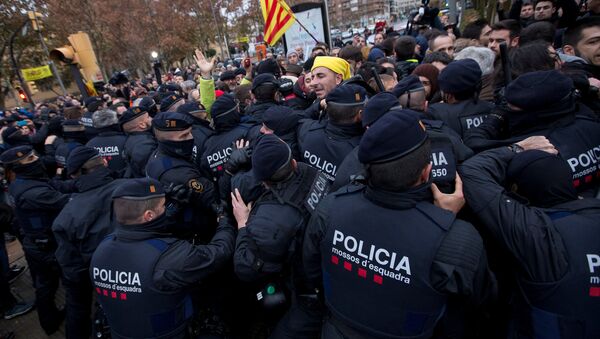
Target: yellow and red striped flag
point(278, 18)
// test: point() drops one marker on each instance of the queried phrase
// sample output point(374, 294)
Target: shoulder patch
point(196, 185)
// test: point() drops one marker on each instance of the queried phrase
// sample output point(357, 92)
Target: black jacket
point(110, 144)
point(549, 247)
point(271, 241)
point(84, 222)
point(572, 129)
point(462, 116)
point(459, 265)
point(137, 150)
point(325, 144)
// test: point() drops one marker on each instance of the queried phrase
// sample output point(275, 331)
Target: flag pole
point(304, 28)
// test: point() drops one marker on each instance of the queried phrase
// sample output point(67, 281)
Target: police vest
point(122, 274)
point(463, 115)
point(35, 223)
point(350, 170)
point(321, 150)
point(110, 146)
point(443, 159)
point(376, 265)
point(579, 144)
point(86, 120)
point(218, 147)
point(570, 308)
point(313, 186)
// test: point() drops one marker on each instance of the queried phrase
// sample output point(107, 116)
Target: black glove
point(221, 209)
point(239, 159)
point(181, 194)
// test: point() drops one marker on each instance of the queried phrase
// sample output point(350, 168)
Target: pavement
point(27, 325)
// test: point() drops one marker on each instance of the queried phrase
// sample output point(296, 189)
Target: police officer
point(283, 122)
point(265, 93)
point(549, 232)
point(109, 141)
point(201, 129)
point(172, 165)
point(544, 103)
point(171, 102)
point(461, 110)
point(270, 236)
point(92, 104)
point(325, 144)
point(228, 129)
point(37, 203)
point(140, 144)
point(74, 135)
point(79, 228)
point(147, 104)
point(390, 255)
point(143, 268)
point(447, 148)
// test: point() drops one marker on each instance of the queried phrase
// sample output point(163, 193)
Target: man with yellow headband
point(328, 72)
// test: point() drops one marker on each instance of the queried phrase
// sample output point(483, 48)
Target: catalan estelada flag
point(278, 18)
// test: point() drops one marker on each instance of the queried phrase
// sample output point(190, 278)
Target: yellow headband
point(335, 64)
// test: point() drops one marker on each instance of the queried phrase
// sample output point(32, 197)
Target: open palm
point(204, 65)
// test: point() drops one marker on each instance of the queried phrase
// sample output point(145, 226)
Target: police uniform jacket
point(389, 260)
point(110, 145)
point(255, 113)
point(37, 203)
point(574, 131)
point(447, 151)
point(555, 251)
point(461, 116)
point(219, 146)
point(325, 144)
point(90, 130)
point(256, 110)
point(195, 216)
point(154, 273)
point(271, 241)
point(64, 149)
point(84, 222)
point(138, 148)
point(201, 131)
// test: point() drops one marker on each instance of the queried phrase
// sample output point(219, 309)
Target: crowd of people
point(433, 184)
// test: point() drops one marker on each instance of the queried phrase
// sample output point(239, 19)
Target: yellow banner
point(36, 73)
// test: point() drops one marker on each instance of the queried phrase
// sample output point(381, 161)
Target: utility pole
point(453, 13)
point(212, 9)
point(16, 66)
point(37, 27)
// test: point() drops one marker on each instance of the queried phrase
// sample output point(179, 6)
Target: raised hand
point(204, 65)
